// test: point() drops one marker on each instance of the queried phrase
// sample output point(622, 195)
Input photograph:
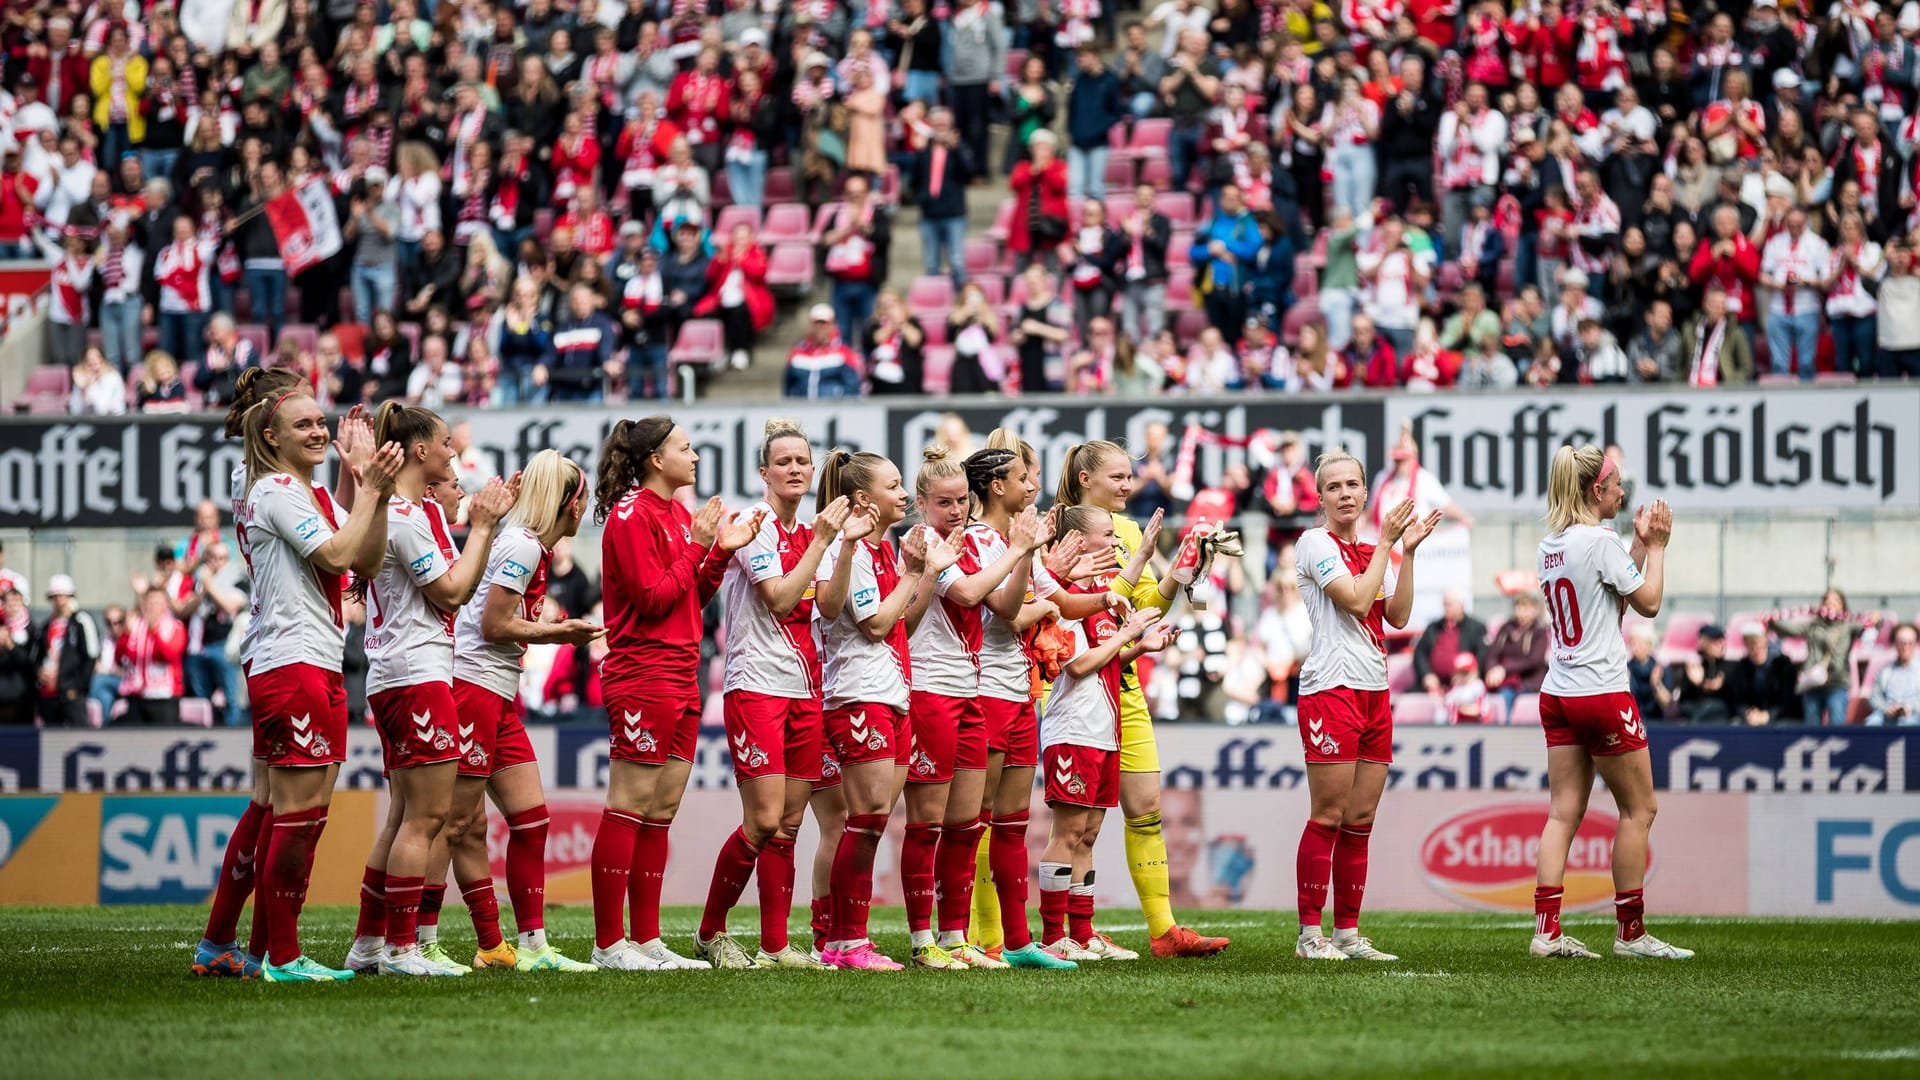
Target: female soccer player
point(1586, 706)
point(1099, 474)
point(219, 953)
point(490, 637)
point(1080, 729)
point(653, 548)
point(411, 603)
point(300, 550)
point(1346, 720)
point(861, 601)
point(772, 704)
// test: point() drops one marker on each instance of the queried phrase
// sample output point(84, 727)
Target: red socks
point(731, 869)
point(775, 875)
point(373, 904)
point(1546, 909)
point(257, 938)
point(613, 848)
point(916, 873)
point(822, 920)
point(236, 876)
point(403, 910)
point(1350, 875)
point(1311, 869)
point(527, 868)
point(852, 894)
point(483, 906)
point(1055, 881)
point(1630, 909)
point(289, 865)
point(1007, 859)
point(958, 853)
point(1080, 911)
point(649, 874)
point(431, 899)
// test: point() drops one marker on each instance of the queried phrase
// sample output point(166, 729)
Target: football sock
point(822, 921)
point(1349, 875)
point(527, 868)
point(649, 875)
point(403, 910)
point(288, 867)
point(775, 872)
point(483, 907)
point(613, 848)
point(916, 873)
point(1147, 864)
point(853, 876)
point(1007, 853)
point(373, 904)
point(1080, 910)
point(983, 925)
point(1055, 881)
point(1630, 910)
point(1312, 868)
point(236, 876)
point(431, 898)
point(953, 867)
point(1546, 909)
point(257, 937)
point(731, 869)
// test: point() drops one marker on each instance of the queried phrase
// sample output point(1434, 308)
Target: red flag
point(304, 222)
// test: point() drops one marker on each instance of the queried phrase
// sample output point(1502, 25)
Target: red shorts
point(868, 732)
point(949, 733)
point(416, 724)
point(829, 770)
point(1013, 729)
point(299, 716)
point(489, 730)
point(1343, 724)
point(651, 730)
point(1602, 723)
point(1082, 776)
point(772, 736)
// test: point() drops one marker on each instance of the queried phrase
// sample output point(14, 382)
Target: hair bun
point(935, 452)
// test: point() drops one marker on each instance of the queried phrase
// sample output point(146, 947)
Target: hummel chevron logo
point(631, 725)
point(1630, 722)
point(1064, 773)
point(423, 721)
point(466, 731)
point(300, 723)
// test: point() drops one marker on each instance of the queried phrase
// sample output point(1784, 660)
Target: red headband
point(1606, 467)
point(277, 402)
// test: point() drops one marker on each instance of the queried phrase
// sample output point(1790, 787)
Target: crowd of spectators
point(537, 198)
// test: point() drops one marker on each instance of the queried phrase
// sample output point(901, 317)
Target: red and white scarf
point(1705, 372)
point(1866, 165)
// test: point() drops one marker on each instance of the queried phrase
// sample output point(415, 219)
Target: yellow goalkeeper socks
point(1147, 862)
point(984, 930)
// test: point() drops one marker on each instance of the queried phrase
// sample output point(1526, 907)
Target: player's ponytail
point(937, 463)
point(261, 456)
point(1076, 518)
point(549, 485)
point(1570, 481)
point(623, 460)
point(844, 474)
point(1083, 458)
point(408, 425)
point(253, 385)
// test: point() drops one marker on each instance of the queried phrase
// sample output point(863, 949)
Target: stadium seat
point(1400, 673)
point(982, 256)
point(196, 712)
point(935, 330)
point(1187, 326)
point(133, 377)
point(700, 343)
point(95, 718)
point(1683, 630)
point(352, 338)
point(790, 268)
point(719, 190)
point(939, 368)
point(1300, 314)
point(736, 215)
point(1156, 172)
point(1415, 708)
point(257, 334)
point(50, 379)
point(785, 223)
point(1306, 278)
point(1178, 207)
point(930, 297)
point(1526, 710)
point(779, 186)
point(1002, 223)
point(1496, 710)
point(1449, 280)
point(1120, 206)
point(993, 287)
point(1179, 288)
point(1117, 139)
point(889, 188)
point(1505, 287)
point(824, 219)
point(1835, 378)
point(305, 335)
point(1015, 59)
point(1150, 138)
point(1180, 248)
point(44, 404)
point(1119, 173)
point(542, 224)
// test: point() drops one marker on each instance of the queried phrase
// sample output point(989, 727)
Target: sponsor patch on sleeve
point(764, 562)
point(309, 528)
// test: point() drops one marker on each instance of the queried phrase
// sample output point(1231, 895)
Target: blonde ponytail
point(1569, 480)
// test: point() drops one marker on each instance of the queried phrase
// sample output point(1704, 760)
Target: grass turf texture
point(106, 992)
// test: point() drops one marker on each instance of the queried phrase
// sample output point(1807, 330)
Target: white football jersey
point(517, 563)
point(765, 655)
point(1005, 672)
point(409, 641)
point(296, 615)
point(1085, 711)
point(854, 670)
point(1586, 574)
point(237, 488)
point(946, 645)
point(1345, 651)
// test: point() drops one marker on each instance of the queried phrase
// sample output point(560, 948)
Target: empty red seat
point(930, 298)
point(1002, 223)
point(1683, 630)
point(1119, 206)
point(1415, 709)
point(1150, 137)
point(939, 368)
point(993, 287)
point(700, 343)
point(1526, 710)
point(785, 223)
point(1119, 172)
point(982, 256)
point(790, 267)
point(1187, 326)
point(50, 379)
point(1178, 208)
point(1306, 310)
point(1306, 277)
point(735, 215)
point(1156, 172)
point(1179, 286)
point(1180, 248)
point(780, 186)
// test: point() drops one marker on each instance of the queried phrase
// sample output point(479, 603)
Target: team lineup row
point(942, 670)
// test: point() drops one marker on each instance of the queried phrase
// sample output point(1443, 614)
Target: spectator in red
point(1543, 40)
point(737, 291)
point(822, 365)
point(17, 188)
point(1735, 126)
point(1455, 633)
point(1517, 657)
point(1371, 355)
point(151, 651)
point(1730, 261)
point(58, 66)
point(66, 646)
point(1433, 20)
point(697, 103)
point(1039, 191)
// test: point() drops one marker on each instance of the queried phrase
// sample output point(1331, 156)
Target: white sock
point(838, 946)
point(429, 935)
point(1308, 933)
point(534, 940)
point(922, 938)
point(1343, 935)
point(952, 939)
point(369, 943)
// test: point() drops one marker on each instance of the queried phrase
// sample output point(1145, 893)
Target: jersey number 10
point(1563, 612)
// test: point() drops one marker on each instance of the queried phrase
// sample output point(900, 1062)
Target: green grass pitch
point(106, 993)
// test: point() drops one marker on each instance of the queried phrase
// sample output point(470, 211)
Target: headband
point(1606, 467)
point(277, 402)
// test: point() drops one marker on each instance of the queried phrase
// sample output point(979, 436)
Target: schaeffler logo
point(1484, 858)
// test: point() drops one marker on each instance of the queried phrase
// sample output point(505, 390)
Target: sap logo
point(19, 817)
point(423, 564)
point(161, 851)
point(764, 562)
point(1830, 861)
point(865, 597)
point(1324, 567)
point(513, 570)
point(950, 575)
point(308, 529)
